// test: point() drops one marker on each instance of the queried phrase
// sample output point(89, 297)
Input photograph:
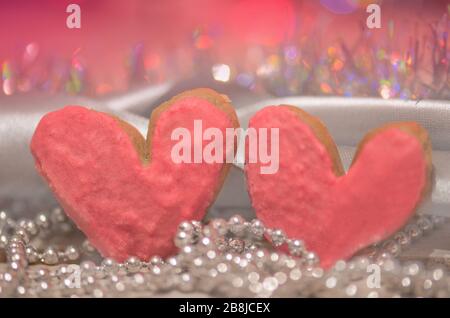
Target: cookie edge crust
point(410, 127)
point(321, 132)
point(415, 130)
point(143, 145)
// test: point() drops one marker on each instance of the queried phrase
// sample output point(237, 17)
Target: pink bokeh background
point(109, 29)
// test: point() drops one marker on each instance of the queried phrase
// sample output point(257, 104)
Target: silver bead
point(351, 290)
point(16, 266)
point(186, 226)
point(57, 215)
point(197, 226)
point(16, 257)
point(222, 268)
point(21, 223)
point(198, 261)
point(250, 246)
point(257, 228)
point(361, 262)
point(31, 228)
point(122, 270)
point(156, 270)
point(222, 244)
point(383, 257)
point(182, 239)
point(340, 265)
point(402, 238)
point(43, 286)
point(311, 258)
point(218, 227)
point(87, 247)
point(21, 290)
point(187, 253)
point(43, 221)
point(16, 240)
point(71, 253)
point(88, 266)
point(186, 283)
point(3, 217)
point(274, 257)
point(138, 279)
point(208, 231)
point(205, 243)
point(438, 273)
point(8, 277)
point(15, 248)
point(261, 254)
point(66, 227)
point(413, 268)
point(42, 272)
point(173, 261)
point(392, 266)
point(425, 224)
point(109, 265)
point(50, 256)
point(28, 225)
point(236, 245)
point(156, 260)
point(270, 283)
point(98, 293)
point(89, 280)
point(236, 224)
point(3, 241)
point(278, 237)
point(23, 235)
point(413, 231)
point(32, 255)
point(296, 247)
point(133, 264)
point(392, 247)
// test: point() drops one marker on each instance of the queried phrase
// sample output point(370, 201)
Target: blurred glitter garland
point(421, 70)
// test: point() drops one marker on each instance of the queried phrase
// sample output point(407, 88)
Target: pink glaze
point(336, 216)
point(125, 207)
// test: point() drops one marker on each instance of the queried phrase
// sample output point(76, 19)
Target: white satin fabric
point(348, 119)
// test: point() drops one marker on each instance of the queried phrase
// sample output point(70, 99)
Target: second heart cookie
point(336, 214)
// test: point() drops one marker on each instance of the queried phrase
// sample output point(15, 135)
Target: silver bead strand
point(225, 258)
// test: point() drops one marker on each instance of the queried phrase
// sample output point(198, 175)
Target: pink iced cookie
point(311, 198)
point(125, 193)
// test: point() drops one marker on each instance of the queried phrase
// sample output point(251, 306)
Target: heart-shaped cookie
point(128, 194)
point(311, 198)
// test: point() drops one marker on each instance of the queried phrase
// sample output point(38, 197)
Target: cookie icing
point(128, 203)
point(336, 215)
